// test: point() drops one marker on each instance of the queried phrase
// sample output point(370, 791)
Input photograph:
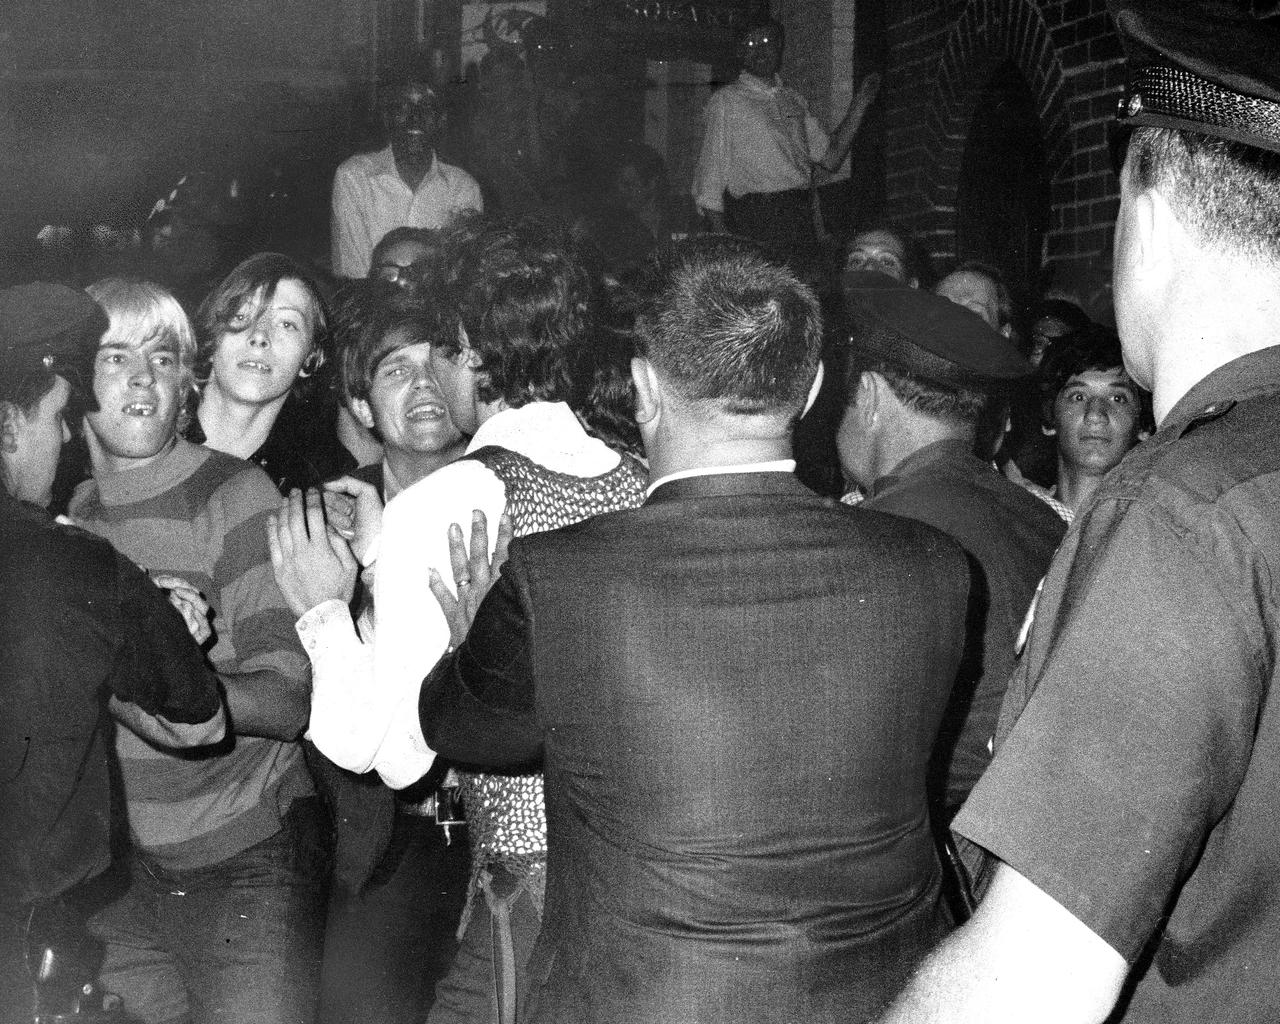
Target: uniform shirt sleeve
point(712, 172)
point(159, 668)
point(351, 244)
point(477, 705)
point(1138, 728)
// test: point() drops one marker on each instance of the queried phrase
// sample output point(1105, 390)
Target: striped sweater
point(201, 515)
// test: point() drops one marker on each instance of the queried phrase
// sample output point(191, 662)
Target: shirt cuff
point(319, 620)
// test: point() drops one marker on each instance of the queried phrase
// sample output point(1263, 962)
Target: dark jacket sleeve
point(477, 705)
point(159, 667)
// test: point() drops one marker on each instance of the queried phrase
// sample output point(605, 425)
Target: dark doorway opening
point(1002, 203)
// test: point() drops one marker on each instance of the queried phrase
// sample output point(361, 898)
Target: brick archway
point(989, 34)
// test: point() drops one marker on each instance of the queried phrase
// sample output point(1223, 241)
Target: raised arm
point(842, 137)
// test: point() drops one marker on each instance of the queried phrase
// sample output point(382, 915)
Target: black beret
point(1208, 66)
point(50, 327)
point(931, 337)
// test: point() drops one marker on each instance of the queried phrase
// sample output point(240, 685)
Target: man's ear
point(362, 411)
point(11, 420)
point(1156, 228)
point(870, 395)
point(648, 389)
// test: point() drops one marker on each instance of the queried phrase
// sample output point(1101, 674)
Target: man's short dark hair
point(953, 404)
point(726, 324)
point(760, 23)
point(428, 238)
point(1226, 193)
point(372, 342)
point(524, 297)
point(1092, 348)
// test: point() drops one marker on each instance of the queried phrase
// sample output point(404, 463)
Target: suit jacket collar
point(724, 485)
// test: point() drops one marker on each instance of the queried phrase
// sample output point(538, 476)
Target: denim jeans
point(237, 942)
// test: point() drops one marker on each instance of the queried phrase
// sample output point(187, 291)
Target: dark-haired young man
point(405, 184)
point(1093, 408)
point(733, 690)
point(506, 355)
point(920, 373)
point(83, 633)
point(1134, 799)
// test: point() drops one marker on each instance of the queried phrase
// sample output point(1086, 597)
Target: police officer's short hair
point(1226, 193)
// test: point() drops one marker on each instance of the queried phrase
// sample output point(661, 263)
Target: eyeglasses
point(406, 275)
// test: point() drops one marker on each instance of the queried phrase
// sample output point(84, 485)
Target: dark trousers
point(17, 994)
point(781, 221)
point(386, 947)
point(236, 942)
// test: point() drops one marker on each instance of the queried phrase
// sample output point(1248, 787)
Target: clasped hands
point(313, 536)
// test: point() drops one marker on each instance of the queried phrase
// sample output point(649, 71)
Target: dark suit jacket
point(734, 690)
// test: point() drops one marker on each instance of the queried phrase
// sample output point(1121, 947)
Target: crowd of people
point(509, 627)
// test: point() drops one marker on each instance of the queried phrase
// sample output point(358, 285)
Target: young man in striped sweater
point(223, 915)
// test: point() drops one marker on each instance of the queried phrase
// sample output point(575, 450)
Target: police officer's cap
point(930, 337)
point(50, 327)
point(1208, 66)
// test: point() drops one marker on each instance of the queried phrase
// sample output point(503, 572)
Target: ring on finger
point(462, 583)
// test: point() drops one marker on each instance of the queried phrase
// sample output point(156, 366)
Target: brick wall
point(942, 55)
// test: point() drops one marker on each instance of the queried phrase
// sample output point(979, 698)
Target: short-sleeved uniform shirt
point(1139, 783)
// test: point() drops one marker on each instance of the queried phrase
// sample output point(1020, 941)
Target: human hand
point(190, 603)
point(354, 511)
point(868, 90)
point(474, 572)
point(311, 562)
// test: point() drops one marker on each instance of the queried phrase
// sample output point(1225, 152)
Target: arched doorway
point(1002, 202)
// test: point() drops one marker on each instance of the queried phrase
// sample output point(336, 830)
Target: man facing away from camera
point(733, 690)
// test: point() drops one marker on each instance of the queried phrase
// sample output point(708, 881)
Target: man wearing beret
point(83, 633)
point(920, 372)
point(1134, 803)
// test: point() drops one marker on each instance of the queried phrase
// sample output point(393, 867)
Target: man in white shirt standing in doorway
point(405, 184)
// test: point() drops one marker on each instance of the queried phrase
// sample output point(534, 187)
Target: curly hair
point(523, 298)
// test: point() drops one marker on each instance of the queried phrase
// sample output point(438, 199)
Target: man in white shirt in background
point(760, 146)
point(405, 184)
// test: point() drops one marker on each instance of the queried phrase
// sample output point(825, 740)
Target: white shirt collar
point(758, 84)
point(386, 164)
point(549, 434)
point(777, 466)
